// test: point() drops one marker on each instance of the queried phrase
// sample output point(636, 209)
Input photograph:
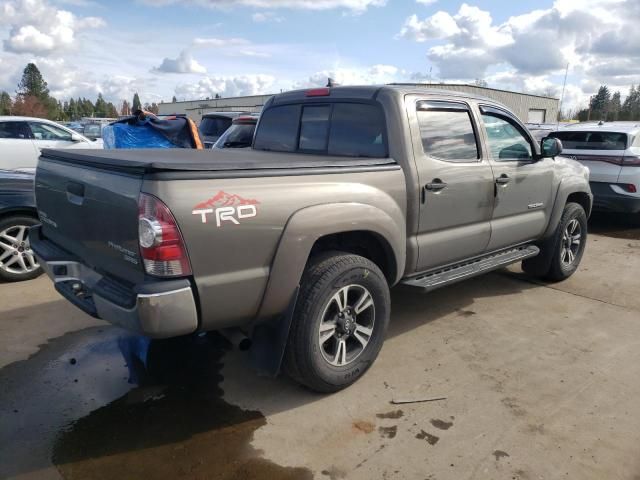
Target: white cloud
point(227, 86)
point(219, 42)
point(264, 17)
point(354, 5)
point(39, 28)
point(185, 63)
point(599, 38)
point(373, 75)
point(426, 2)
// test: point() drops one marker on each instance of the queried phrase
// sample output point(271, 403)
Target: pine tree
point(126, 108)
point(136, 105)
point(600, 103)
point(100, 107)
point(615, 105)
point(5, 103)
point(32, 83)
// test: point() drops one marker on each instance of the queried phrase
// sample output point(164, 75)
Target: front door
point(456, 184)
point(524, 182)
point(46, 135)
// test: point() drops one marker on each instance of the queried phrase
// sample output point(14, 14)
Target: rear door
point(16, 147)
point(523, 183)
point(456, 182)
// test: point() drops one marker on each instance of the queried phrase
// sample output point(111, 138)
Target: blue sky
point(197, 48)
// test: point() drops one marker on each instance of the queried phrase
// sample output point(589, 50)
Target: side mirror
point(76, 138)
point(550, 147)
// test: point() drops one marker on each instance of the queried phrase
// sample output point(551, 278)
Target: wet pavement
point(117, 402)
point(540, 381)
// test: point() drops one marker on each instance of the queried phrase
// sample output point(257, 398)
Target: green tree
point(136, 105)
point(100, 107)
point(615, 105)
point(33, 84)
point(5, 103)
point(600, 103)
point(631, 106)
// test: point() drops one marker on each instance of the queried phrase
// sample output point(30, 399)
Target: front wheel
point(563, 251)
point(339, 322)
point(17, 261)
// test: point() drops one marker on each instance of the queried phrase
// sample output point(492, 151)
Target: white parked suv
point(21, 139)
point(611, 150)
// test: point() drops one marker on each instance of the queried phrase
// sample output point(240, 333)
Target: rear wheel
point(17, 261)
point(339, 323)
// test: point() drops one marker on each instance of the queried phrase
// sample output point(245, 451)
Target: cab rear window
point(337, 129)
point(591, 140)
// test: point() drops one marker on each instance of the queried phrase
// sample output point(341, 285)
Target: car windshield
point(214, 126)
point(92, 130)
point(591, 140)
point(237, 136)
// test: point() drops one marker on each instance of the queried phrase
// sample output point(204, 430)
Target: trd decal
point(226, 207)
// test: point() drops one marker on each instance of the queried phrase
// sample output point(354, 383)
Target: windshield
point(237, 136)
point(214, 126)
point(92, 130)
point(592, 140)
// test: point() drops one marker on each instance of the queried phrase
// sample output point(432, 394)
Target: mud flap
point(269, 340)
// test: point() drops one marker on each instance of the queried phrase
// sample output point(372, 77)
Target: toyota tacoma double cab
point(295, 243)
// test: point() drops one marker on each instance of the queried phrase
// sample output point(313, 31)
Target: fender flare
point(308, 225)
point(566, 188)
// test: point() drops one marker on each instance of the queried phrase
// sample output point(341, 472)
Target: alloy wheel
point(16, 256)
point(347, 323)
point(571, 242)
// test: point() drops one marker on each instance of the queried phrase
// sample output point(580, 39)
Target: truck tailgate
point(92, 213)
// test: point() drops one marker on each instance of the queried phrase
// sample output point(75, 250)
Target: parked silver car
point(611, 151)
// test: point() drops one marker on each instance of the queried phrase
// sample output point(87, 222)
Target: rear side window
point(16, 130)
point(278, 130)
point(592, 140)
point(448, 135)
point(338, 129)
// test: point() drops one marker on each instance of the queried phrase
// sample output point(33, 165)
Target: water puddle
point(106, 404)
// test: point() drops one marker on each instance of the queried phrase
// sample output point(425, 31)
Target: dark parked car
point(17, 214)
point(240, 133)
point(215, 124)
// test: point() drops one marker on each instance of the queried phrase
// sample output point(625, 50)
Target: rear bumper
point(158, 309)
point(605, 198)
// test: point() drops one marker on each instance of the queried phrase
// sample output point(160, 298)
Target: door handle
point(503, 179)
point(436, 185)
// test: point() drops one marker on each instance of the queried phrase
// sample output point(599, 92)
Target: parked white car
point(21, 139)
point(611, 150)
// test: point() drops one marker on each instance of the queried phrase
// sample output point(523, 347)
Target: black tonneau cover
point(161, 160)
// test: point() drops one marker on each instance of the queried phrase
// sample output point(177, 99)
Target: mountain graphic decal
point(224, 199)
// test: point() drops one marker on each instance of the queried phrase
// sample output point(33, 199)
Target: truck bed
point(159, 160)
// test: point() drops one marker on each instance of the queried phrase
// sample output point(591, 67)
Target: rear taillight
point(628, 187)
point(631, 161)
point(161, 243)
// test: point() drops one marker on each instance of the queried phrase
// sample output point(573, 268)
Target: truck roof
point(369, 92)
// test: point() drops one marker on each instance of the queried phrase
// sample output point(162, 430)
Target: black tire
point(305, 359)
point(8, 273)
point(551, 264)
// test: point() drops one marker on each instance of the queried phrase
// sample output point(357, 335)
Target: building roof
point(433, 86)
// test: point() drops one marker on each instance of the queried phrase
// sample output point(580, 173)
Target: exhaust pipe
point(237, 338)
